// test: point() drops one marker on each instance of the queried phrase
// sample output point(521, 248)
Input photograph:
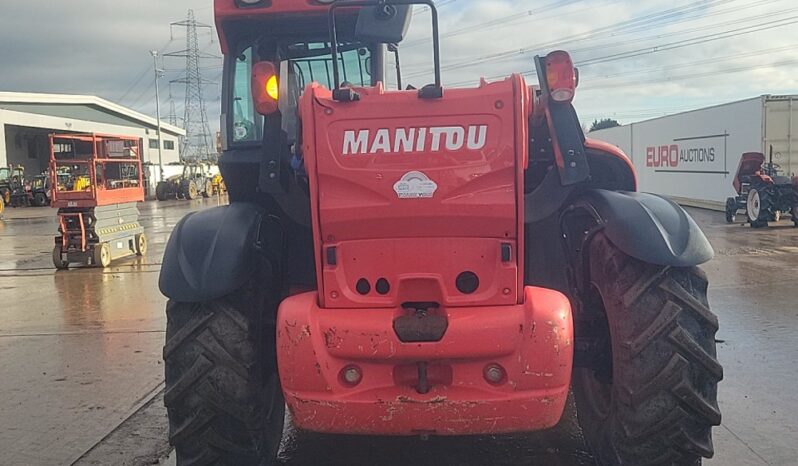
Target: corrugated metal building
point(693, 156)
point(26, 120)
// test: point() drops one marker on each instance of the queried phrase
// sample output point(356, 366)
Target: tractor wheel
point(58, 259)
point(141, 244)
point(649, 395)
point(208, 189)
point(759, 207)
point(795, 215)
point(6, 197)
point(161, 191)
point(40, 200)
point(731, 210)
point(191, 192)
point(2, 205)
point(101, 255)
point(223, 392)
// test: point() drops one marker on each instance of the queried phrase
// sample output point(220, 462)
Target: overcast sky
point(638, 59)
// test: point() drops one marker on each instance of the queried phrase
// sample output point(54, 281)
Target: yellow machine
point(219, 187)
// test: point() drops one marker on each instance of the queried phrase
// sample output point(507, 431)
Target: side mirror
point(265, 87)
point(387, 24)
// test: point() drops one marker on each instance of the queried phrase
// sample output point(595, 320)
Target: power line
point(645, 20)
point(708, 61)
point(144, 73)
point(438, 4)
point(688, 76)
point(678, 44)
point(610, 45)
point(485, 25)
point(694, 41)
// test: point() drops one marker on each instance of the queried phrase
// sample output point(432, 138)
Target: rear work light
point(265, 87)
point(561, 76)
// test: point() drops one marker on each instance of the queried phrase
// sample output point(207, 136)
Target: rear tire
point(190, 191)
point(161, 191)
point(102, 255)
point(731, 210)
point(58, 260)
point(141, 244)
point(208, 189)
point(223, 393)
point(650, 395)
point(759, 206)
point(40, 200)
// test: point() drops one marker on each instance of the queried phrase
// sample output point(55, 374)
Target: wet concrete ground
point(81, 373)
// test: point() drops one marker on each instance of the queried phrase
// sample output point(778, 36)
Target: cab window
point(247, 123)
point(306, 63)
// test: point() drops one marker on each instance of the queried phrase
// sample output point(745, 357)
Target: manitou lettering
point(414, 140)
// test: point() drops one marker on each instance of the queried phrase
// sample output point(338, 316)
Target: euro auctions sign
point(705, 154)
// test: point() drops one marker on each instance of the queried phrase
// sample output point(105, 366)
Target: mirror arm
point(436, 42)
point(395, 49)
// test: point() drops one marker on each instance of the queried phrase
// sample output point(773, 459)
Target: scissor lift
point(97, 181)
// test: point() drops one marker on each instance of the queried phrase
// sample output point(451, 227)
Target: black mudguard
point(213, 253)
point(648, 227)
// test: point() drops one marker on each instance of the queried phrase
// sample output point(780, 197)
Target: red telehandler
point(427, 261)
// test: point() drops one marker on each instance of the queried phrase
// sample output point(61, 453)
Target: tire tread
point(665, 365)
point(216, 379)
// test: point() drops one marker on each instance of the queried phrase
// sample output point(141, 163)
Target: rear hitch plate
point(420, 328)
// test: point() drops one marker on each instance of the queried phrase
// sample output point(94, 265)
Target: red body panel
point(418, 211)
point(532, 342)
point(608, 148)
point(105, 192)
point(751, 166)
point(226, 9)
point(460, 159)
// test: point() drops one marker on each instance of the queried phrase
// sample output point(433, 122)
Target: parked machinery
point(428, 261)
point(97, 180)
point(219, 188)
point(39, 190)
point(195, 181)
point(12, 186)
point(764, 193)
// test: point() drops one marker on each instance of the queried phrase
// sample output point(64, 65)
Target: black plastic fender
point(648, 227)
point(212, 253)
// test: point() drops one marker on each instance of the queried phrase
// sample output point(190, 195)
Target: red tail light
point(265, 87)
point(561, 76)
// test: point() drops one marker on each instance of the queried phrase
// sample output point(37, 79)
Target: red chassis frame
point(97, 195)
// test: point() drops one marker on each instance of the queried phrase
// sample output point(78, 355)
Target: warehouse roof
point(80, 107)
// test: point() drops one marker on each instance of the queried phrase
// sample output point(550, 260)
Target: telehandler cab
point(425, 261)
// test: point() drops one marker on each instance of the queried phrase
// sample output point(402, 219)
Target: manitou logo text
point(414, 140)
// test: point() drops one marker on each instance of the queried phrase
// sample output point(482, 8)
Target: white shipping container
point(692, 156)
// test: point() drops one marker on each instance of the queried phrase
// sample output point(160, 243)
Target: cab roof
point(230, 11)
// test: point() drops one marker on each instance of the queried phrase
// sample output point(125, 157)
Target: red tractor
point(763, 192)
point(425, 261)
